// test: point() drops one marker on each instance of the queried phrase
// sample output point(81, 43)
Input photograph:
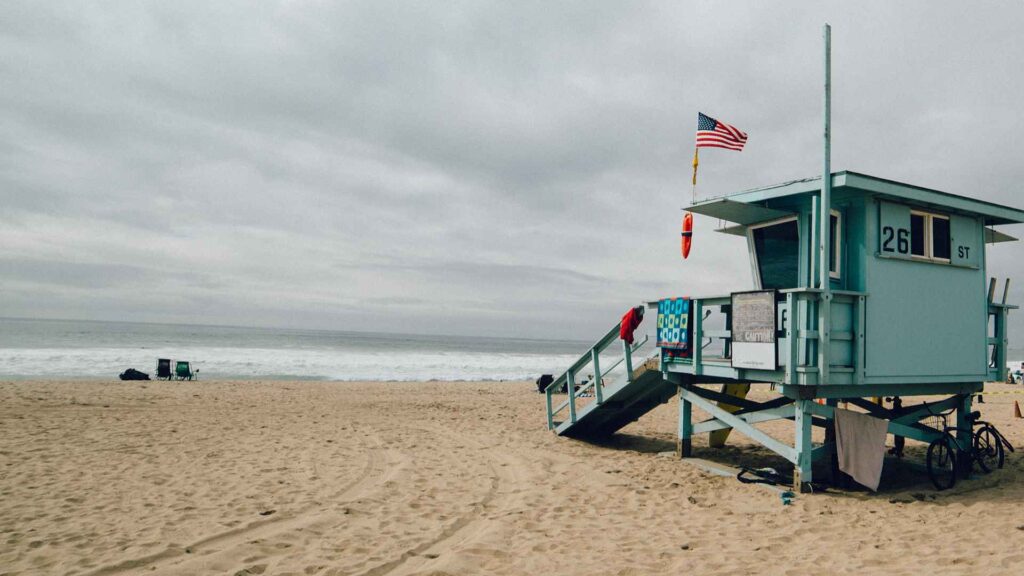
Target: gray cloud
point(500, 168)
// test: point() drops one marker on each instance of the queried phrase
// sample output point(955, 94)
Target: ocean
point(77, 349)
point(68, 348)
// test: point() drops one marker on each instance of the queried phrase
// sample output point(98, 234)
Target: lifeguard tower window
point(929, 236)
point(777, 253)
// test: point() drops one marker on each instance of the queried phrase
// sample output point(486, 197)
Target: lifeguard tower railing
point(997, 340)
point(798, 337)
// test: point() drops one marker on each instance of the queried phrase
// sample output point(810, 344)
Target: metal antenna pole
point(825, 221)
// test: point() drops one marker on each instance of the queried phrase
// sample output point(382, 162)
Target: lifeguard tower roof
point(752, 206)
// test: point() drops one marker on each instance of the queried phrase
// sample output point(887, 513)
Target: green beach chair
point(183, 370)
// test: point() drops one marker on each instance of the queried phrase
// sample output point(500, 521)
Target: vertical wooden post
point(598, 381)
point(802, 476)
point(627, 355)
point(570, 387)
point(963, 434)
point(1001, 343)
point(859, 342)
point(1004, 341)
point(551, 417)
point(791, 338)
point(813, 275)
point(684, 447)
point(697, 313)
point(830, 441)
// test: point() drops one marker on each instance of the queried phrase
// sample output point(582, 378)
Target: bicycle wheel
point(988, 449)
point(941, 463)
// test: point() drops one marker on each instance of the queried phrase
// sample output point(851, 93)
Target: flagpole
point(825, 220)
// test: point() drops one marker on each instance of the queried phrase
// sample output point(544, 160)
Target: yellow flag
point(695, 165)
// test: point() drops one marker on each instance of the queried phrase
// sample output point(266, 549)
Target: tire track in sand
point(369, 476)
point(505, 469)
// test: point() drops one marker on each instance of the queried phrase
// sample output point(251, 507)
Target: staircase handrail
point(600, 345)
point(634, 348)
point(591, 355)
point(593, 382)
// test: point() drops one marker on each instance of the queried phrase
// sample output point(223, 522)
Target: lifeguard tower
point(863, 287)
point(907, 311)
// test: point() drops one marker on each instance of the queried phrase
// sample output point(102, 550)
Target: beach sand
point(442, 478)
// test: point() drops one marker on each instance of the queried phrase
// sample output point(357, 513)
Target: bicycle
point(991, 443)
point(986, 446)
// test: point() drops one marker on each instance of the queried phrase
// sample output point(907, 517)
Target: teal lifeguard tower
point(862, 288)
point(906, 310)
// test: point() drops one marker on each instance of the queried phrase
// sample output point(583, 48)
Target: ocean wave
point(342, 365)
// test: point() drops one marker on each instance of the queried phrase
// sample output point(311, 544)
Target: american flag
point(714, 134)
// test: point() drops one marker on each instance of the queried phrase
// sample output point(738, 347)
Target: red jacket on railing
point(629, 323)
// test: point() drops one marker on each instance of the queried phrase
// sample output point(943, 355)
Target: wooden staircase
point(623, 403)
point(614, 404)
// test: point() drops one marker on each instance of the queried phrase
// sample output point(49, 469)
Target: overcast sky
point(506, 168)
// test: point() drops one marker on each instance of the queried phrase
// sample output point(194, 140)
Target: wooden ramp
point(621, 403)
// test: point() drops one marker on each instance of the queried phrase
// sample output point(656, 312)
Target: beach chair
point(163, 369)
point(183, 370)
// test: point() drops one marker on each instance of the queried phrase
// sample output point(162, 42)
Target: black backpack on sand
point(133, 374)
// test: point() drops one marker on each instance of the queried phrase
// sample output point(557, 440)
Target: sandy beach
point(109, 477)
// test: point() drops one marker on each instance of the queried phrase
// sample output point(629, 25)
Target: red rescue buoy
point(687, 234)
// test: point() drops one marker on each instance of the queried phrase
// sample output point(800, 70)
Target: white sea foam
point(288, 363)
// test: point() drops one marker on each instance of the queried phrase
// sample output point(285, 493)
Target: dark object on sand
point(544, 381)
point(762, 476)
point(133, 374)
point(163, 369)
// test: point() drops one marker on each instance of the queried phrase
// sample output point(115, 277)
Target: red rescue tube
point(687, 236)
